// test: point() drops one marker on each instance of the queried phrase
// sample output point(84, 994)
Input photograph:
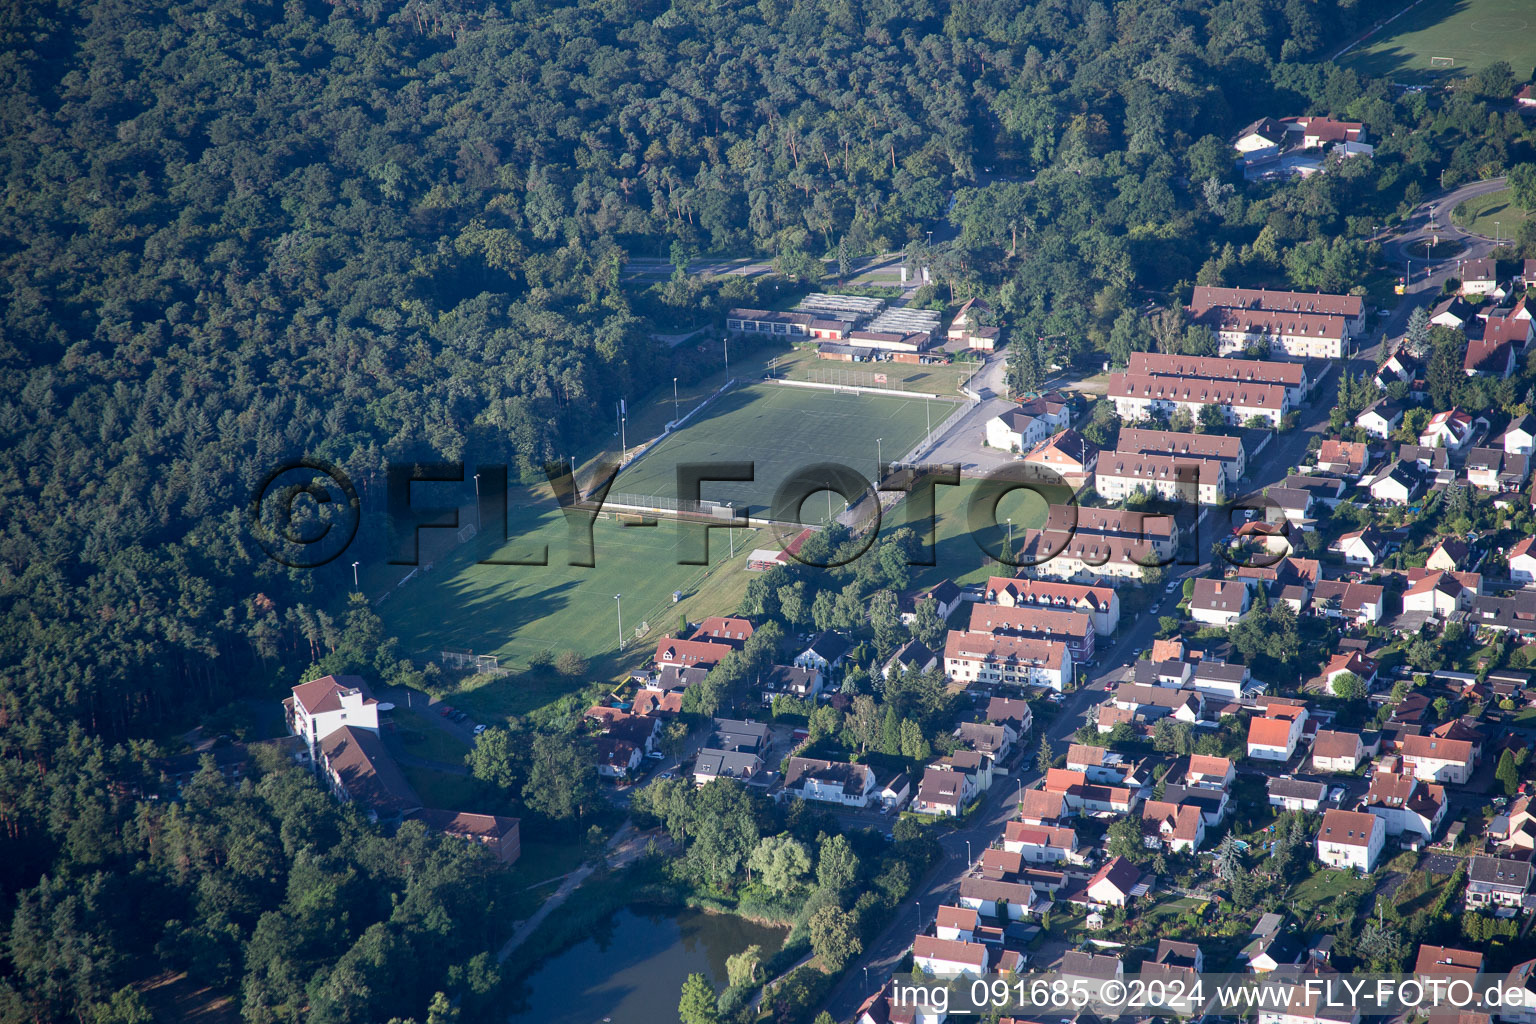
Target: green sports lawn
point(1475, 33)
point(518, 611)
point(781, 429)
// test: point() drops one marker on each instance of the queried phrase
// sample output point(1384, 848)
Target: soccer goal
point(1442, 62)
point(466, 532)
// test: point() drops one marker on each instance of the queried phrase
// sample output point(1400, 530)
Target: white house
point(956, 924)
point(1179, 827)
point(825, 653)
point(1520, 436)
point(1522, 562)
point(1450, 430)
point(1115, 883)
point(948, 958)
point(1498, 881)
point(1480, 277)
point(1016, 430)
point(1275, 738)
point(1362, 547)
point(322, 706)
point(1438, 759)
point(1406, 805)
point(1350, 839)
point(1396, 484)
point(1296, 794)
point(1306, 1005)
point(835, 782)
point(1219, 602)
point(1041, 844)
point(1380, 419)
point(1337, 751)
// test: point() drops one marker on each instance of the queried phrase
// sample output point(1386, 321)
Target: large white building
point(990, 658)
point(1301, 335)
point(1174, 478)
point(1138, 396)
point(1350, 839)
point(1100, 602)
point(1182, 444)
point(322, 706)
point(1291, 376)
point(835, 782)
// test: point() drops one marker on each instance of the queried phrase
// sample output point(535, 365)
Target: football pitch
point(1441, 39)
point(781, 430)
point(519, 611)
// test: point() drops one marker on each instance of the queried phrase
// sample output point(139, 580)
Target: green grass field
point(958, 556)
point(781, 429)
point(1491, 213)
point(1474, 33)
point(518, 611)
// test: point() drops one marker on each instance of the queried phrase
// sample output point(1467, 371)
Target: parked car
point(664, 775)
point(479, 728)
point(656, 755)
point(446, 711)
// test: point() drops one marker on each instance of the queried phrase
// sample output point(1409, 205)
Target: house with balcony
point(321, 706)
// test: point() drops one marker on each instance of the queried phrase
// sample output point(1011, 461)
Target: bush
point(570, 664)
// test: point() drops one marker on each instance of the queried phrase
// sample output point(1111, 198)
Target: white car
point(479, 729)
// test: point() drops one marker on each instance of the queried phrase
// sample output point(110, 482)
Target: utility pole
point(727, 341)
point(620, 606)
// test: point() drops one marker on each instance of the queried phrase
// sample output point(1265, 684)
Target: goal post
point(1442, 62)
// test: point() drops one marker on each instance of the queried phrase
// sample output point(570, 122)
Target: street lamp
point(620, 606)
point(354, 575)
point(866, 977)
point(477, 502)
point(675, 416)
point(919, 914)
point(1495, 234)
point(969, 861)
point(877, 460)
point(727, 341)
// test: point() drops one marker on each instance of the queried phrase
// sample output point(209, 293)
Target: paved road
point(1455, 245)
point(1278, 459)
point(988, 821)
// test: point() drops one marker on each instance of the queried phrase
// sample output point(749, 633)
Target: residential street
point(1277, 460)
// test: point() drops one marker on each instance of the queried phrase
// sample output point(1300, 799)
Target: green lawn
point(779, 430)
point(958, 553)
point(1475, 33)
point(1317, 894)
point(1491, 213)
point(517, 611)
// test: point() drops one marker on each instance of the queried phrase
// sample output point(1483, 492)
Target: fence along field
point(781, 430)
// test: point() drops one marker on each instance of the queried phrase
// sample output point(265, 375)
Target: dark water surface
point(633, 967)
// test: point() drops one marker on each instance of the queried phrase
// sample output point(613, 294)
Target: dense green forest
point(235, 233)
